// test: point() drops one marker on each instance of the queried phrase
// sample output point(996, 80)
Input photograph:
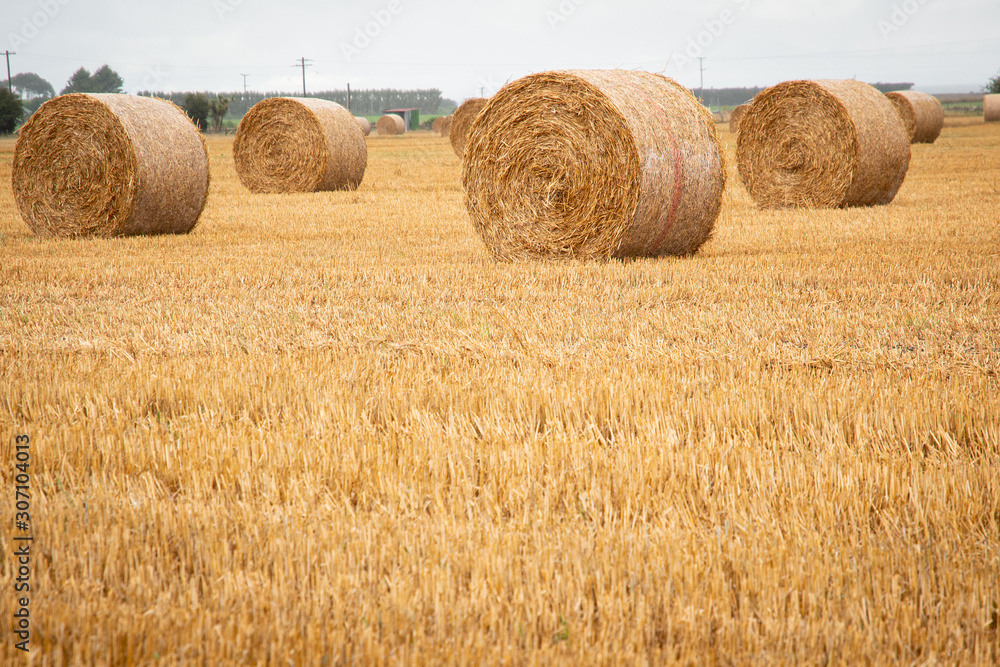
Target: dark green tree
point(80, 82)
point(29, 84)
point(197, 108)
point(10, 111)
point(217, 109)
point(106, 80)
point(993, 86)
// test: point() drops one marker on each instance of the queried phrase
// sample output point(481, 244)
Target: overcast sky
point(464, 48)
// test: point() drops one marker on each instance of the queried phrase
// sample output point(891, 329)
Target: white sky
point(463, 47)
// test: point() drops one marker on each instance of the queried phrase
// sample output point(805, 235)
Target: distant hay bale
point(364, 124)
point(390, 125)
point(461, 123)
point(445, 129)
point(736, 116)
point(436, 125)
point(822, 144)
point(593, 164)
point(991, 108)
point(922, 115)
point(290, 144)
point(110, 165)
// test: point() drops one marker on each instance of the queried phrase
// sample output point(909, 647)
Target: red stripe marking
point(675, 153)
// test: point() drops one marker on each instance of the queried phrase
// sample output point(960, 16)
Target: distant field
point(329, 428)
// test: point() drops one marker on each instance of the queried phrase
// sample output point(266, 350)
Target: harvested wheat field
point(328, 428)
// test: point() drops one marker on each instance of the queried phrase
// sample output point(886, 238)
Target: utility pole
point(482, 91)
point(303, 63)
point(10, 84)
point(701, 64)
point(348, 97)
point(244, 83)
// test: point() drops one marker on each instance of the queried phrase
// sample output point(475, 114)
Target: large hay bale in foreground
point(110, 165)
point(445, 128)
point(822, 144)
point(364, 124)
point(736, 117)
point(593, 164)
point(290, 144)
point(390, 125)
point(991, 108)
point(461, 123)
point(922, 115)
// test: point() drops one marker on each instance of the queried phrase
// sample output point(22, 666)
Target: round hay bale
point(364, 124)
point(436, 125)
point(290, 144)
point(110, 165)
point(922, 115)
point(390, 125)
point(991, 108)
point(445, 129)
point(736, 116)
point(822, 144)
point(593, 164)
point(461, 123)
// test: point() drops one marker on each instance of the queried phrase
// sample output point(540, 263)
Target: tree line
point(731, 97)
point(363, 102)
point(24, 93)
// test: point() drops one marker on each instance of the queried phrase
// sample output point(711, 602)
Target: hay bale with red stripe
point(593, 164)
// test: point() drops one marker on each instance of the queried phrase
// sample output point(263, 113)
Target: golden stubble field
point(326, 429)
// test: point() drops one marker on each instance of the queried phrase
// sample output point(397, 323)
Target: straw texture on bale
point(991, 108)
point(390, 125)
point(364, 124)
point(922, 115)
point(445, 128)
point(593, 164)
point(736, 117)
point(822, 144)
point(461, 123)
point(290, 144)
point(110, 165)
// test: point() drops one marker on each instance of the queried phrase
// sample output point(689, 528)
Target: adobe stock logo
point(223, 7)
point(565, 9)
point(32, 25)
point(901, 15)
point(363, 36)
point(714, 29)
